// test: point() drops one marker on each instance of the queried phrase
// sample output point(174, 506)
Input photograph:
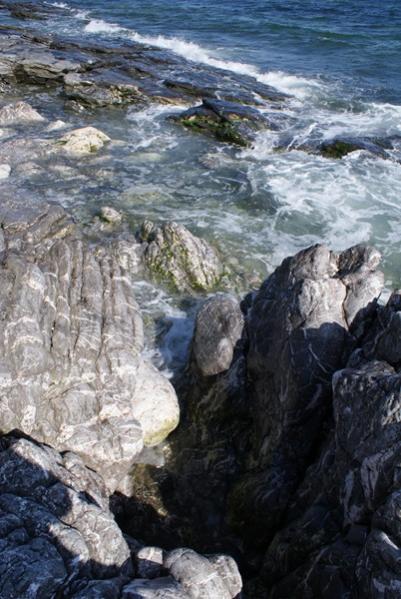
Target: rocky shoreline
point(269, 466)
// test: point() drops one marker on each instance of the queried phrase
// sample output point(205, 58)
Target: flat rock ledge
point(72, 373)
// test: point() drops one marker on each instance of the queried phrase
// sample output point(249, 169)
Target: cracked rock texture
point(71, 368)
point(58, 538)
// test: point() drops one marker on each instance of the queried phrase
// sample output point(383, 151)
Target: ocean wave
point(300, 87)
point(100, 26)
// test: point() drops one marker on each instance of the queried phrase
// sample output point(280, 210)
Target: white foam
point(100, 26)
point(299, 87)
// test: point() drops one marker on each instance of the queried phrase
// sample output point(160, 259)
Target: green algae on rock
point(173, 254)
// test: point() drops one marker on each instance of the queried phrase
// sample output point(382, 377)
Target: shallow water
point(339, 62)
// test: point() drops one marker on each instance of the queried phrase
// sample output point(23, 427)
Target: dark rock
point(298, 330)
point(226, 121)
point(58, 537)
point(340, 147)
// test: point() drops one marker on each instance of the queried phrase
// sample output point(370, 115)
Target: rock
point(71, 368)
point(5, 170)
point(111, 215)
point(56, 528)
point(226, 121)
point(299, 335)
point(219, 325)
point(172, 253)
point(190, 576)
point(340, 147)
point(19, 113)
point(58, 537)
point(102, 88)
point(56, 126)
point(84, 141)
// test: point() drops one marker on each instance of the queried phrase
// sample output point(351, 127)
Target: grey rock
point(111, 215)
point(172, 253)
point(71, 367)
point(55, 528)
point(19, 113)
point(58, 537)
point(219, 326)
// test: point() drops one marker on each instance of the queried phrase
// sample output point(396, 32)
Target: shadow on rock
point(59, 539)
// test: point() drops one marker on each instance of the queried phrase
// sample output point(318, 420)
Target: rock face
point(71, 370)
point(58, 538)
point(172, 253)
point(299, 334)
point(81, 142)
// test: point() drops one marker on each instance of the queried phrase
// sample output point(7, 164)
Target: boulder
point(218, 328)
point(83, 141)
point(173, 254)
point(71, 368)
point(19, 113)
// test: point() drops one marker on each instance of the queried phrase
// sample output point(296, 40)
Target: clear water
point(339, 61)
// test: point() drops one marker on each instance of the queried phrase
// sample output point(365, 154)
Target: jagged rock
point(172, 253)
point(81, 142)
point(219, 325)
point(71, 370)
point(19, 113)
point(56, 529)
point(58, 537)
point(103, 88)
point(299, 335)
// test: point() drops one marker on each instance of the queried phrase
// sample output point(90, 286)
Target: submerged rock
point(111, 215)
point(172, 253)
point(84, 141)
point(72, 372)
point(226, 121)
point(19, 113)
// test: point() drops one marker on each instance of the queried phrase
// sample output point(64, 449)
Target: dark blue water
point(353, 41)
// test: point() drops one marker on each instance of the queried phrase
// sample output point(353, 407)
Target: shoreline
point(176, 421)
